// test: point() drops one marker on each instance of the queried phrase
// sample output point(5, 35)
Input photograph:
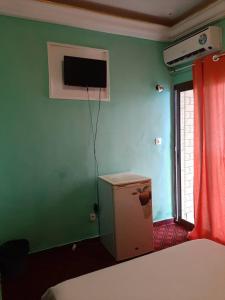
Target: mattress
point(194, 270)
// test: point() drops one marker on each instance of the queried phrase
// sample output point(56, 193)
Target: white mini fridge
point(125, 214)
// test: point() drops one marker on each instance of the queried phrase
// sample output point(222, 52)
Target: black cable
point(90, 112)
point(94, 137)
point(95, 131)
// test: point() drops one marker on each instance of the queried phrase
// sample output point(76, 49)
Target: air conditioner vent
point(180, 59)
point(202, 43)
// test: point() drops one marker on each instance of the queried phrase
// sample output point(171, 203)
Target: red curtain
point(209, 149)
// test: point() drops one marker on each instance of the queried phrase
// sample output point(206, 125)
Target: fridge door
point(133, 220)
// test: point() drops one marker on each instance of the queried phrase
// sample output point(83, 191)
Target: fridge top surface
point(123, 178)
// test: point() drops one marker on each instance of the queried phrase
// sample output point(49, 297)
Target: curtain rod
point(182, 68)
point(216, 57)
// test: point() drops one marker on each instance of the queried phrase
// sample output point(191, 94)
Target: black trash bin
point(12, 257)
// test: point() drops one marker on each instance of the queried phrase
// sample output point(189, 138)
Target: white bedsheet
point(194, 270)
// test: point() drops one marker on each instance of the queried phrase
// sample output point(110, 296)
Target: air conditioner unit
point(200, 44)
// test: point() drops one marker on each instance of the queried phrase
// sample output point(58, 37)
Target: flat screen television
point(85, 72)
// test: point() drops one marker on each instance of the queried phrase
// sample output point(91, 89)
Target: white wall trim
point(81, 18)
point(212, 13)
point(57, 89)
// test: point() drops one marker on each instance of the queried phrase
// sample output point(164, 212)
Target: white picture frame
point(57, 89)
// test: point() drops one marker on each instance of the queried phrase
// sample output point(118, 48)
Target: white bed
point(194, 270)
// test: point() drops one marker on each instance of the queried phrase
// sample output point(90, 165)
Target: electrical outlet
point(92, 217)
point(158, 141)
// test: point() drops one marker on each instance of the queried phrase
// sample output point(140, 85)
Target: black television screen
point(85, 72)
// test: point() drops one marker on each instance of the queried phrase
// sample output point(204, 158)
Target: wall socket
point(158, 141)
point(92, 217)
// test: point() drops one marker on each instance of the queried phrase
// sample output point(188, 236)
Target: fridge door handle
point(125, 185)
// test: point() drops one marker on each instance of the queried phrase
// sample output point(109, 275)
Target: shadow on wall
point(71, 211)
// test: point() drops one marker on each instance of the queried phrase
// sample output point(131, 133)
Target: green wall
point(182, 76)
point(47, 175)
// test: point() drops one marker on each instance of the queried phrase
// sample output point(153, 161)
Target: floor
point(50, 267)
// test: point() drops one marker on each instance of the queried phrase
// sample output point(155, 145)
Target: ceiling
point(159, 20)
point(161, 12)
